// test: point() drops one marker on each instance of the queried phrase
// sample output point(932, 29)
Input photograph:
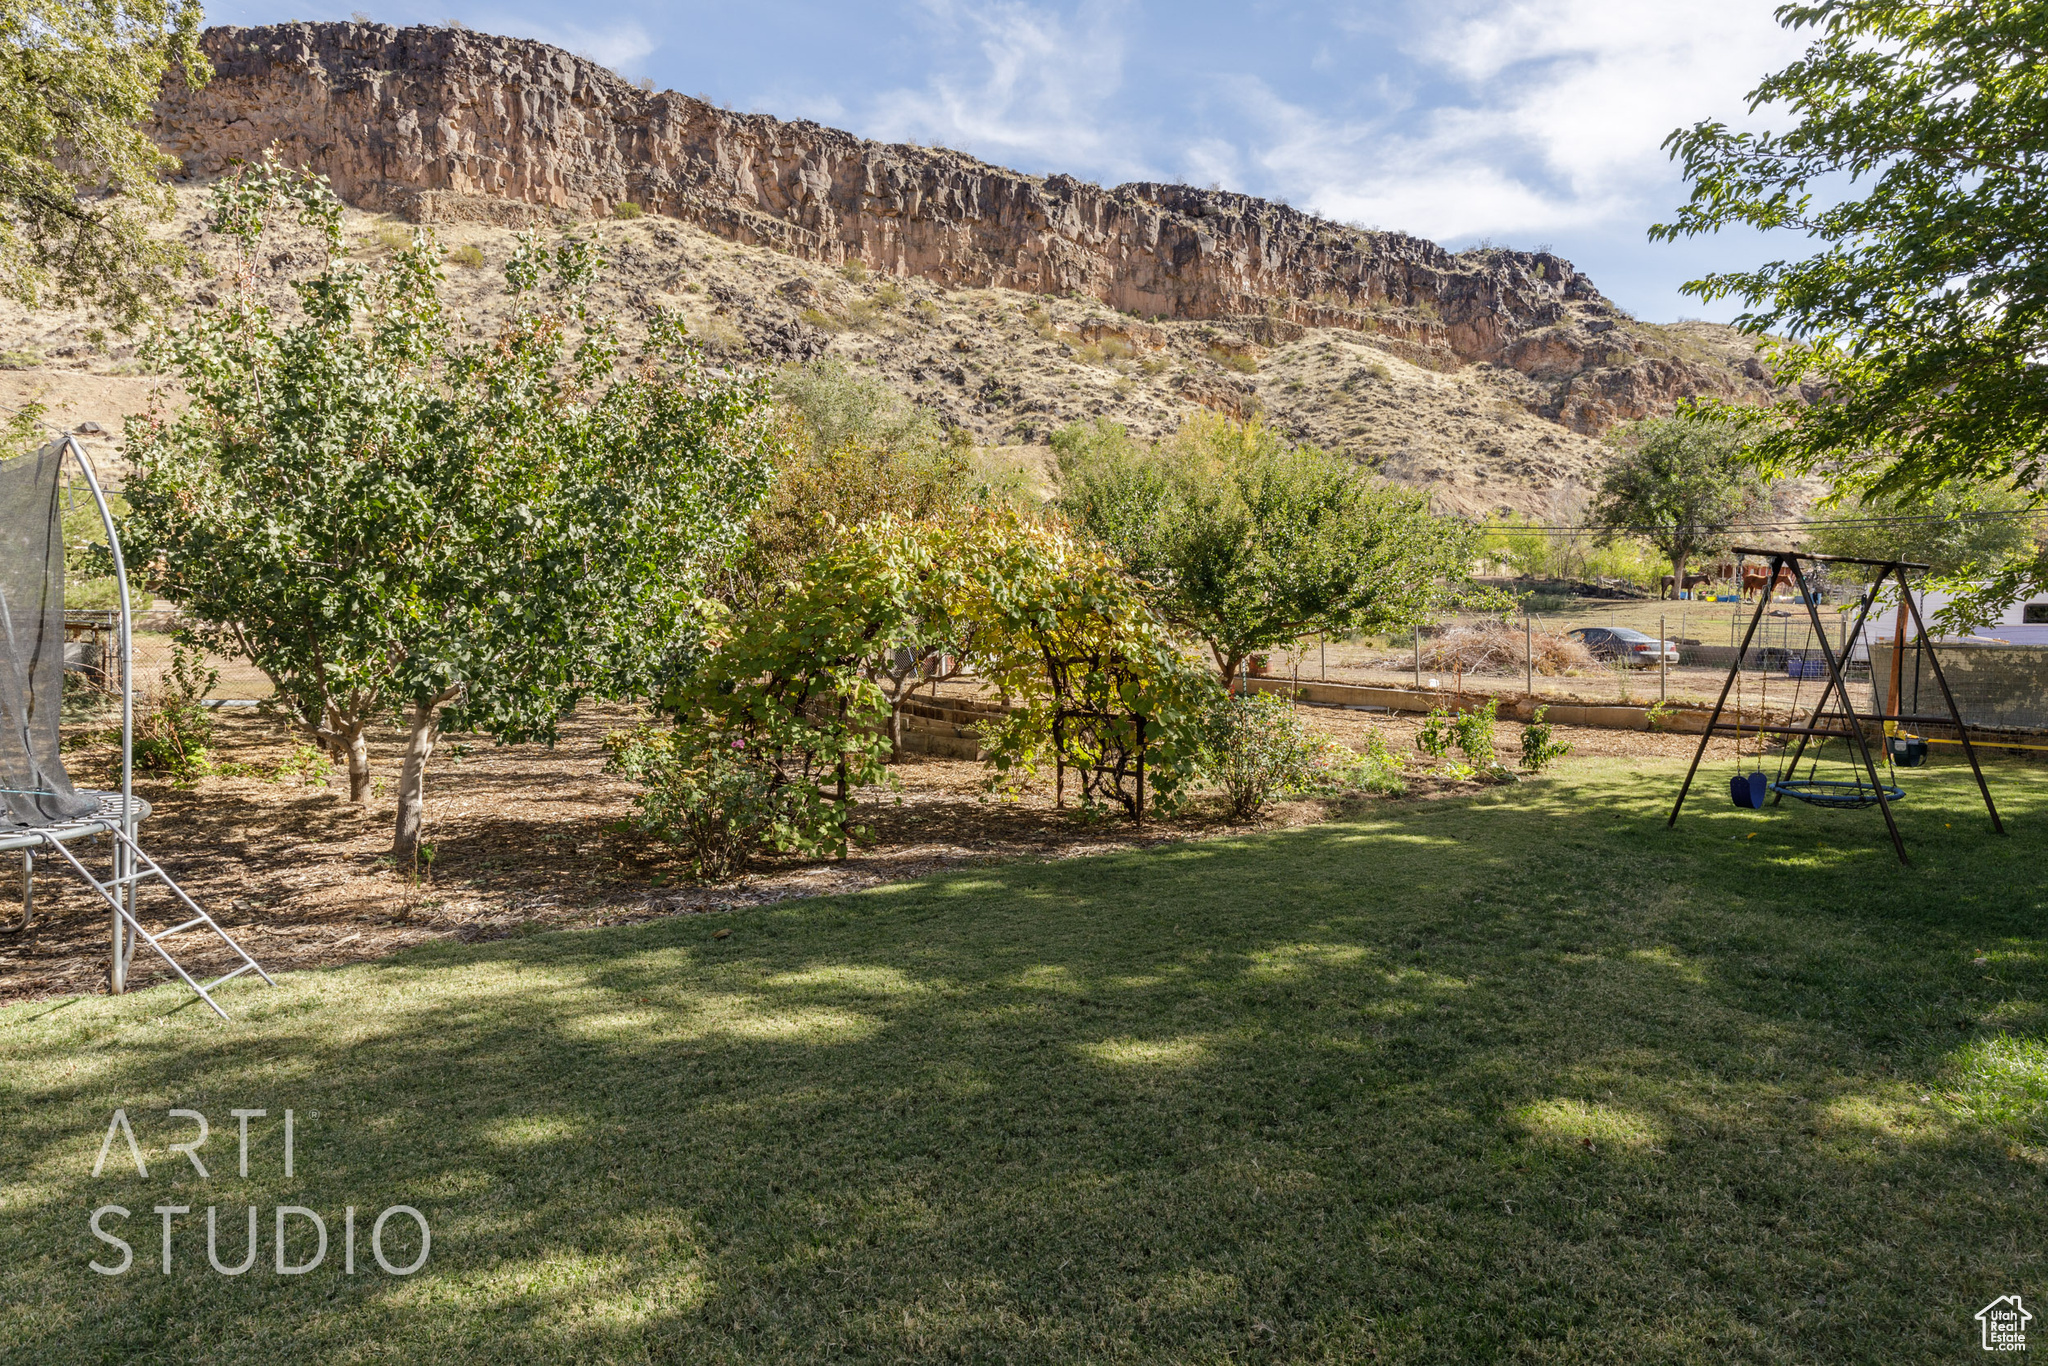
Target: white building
point(2023, 621)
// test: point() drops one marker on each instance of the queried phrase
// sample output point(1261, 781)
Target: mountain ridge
point(447, 125)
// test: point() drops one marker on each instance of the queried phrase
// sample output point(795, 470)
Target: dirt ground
point(528, 839)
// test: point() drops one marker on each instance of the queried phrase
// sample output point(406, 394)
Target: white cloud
point(1019, 81)
point(1553, 118)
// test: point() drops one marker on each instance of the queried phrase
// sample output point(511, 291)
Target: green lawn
point(1521, 1077)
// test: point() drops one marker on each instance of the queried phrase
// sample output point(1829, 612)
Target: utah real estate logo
point(2004, 1322)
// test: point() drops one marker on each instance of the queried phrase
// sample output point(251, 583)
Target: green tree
point(1959, 528)
point(1103, 691)
point(882, 600)
point(80, 179)
point(856, 451)
point(1247, 542)
point(386, 519)
point(1680, 483)
point(1914, 157)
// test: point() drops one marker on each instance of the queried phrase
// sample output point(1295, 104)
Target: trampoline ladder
point(124, 907)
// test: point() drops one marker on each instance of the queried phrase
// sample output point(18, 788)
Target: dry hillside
point(1009, 304)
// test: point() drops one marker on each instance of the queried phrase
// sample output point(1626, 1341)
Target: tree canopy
point(80, 179)
point(1960, 528)
point(1247, 542)
point(1680, 483)
point(384, 517)
point(856, 451)
point(1915, 159)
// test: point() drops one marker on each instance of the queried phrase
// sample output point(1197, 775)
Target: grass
point(1525, 1076)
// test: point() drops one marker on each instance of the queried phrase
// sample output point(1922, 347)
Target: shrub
point(702, 792)
point(172, 734)
point(1379, 769)
point(1259, 748)
point(1540, 748)
point(889, 296)
point(471, 256)
point(928, 310)
point(1474, 731)
point(627, 209)
point(855, 271)
point(307, 764)
point(1436, 734)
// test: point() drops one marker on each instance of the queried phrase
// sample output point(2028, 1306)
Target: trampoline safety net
point(34, 789)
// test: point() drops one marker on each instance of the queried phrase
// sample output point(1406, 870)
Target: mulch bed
point(527, 838)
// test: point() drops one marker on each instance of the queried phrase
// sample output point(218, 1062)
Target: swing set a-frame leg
point(1721, 702)
point(1820, 634)
point(1840, 688)
point(1955, 715)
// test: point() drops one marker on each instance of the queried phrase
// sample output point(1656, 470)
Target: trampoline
point(41, 813)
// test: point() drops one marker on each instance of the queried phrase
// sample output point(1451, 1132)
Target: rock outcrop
point(446, 124)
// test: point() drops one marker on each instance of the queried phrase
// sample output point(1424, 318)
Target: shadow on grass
point(1526, 1075)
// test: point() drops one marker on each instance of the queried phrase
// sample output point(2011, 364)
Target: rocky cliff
point(448, 125)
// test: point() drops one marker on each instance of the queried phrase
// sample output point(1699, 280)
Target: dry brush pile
point(1495, 647)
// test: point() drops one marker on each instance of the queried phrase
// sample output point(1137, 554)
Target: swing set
point(1834, 715)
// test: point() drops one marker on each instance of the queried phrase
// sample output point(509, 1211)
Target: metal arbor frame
point(1852, 721)
point(118, 817)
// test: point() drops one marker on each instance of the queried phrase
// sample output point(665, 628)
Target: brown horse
point(1692, 581)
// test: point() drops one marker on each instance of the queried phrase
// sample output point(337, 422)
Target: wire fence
point(91, 642)
point(1995, 685)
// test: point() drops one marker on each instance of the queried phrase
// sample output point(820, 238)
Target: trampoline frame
point(118, 816)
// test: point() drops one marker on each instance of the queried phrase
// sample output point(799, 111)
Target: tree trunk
point(1678, 574)
point(355, 752)
point(347, 743)
point(423, 731)
point(358, 756)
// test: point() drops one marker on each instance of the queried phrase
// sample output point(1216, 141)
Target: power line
point(1787, 524)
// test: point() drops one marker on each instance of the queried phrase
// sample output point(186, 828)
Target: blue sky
point(1522, 122)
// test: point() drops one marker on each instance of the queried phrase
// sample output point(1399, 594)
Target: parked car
point(1631, 648)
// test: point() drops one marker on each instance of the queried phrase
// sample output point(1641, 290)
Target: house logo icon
point(2005, 1324)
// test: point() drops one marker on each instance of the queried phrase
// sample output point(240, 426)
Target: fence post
point(1418, 656)
point(1529, 648)
point(1663, 663)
